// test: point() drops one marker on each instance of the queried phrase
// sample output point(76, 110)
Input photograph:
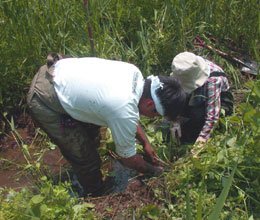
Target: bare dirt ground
point(13, 160)
point(116, 205)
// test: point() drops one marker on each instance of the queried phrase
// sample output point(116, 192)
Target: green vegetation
point(51, 202)
point(223, 183)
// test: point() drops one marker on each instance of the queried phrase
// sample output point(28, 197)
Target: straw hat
point(191, 70)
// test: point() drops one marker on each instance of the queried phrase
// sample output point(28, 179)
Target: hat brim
point(191, 82)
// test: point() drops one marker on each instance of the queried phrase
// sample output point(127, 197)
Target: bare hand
point(198, 144)
point(200, 140)
point(151, 155)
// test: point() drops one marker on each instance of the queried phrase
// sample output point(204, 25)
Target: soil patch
point(130, 191)
point(14, 155)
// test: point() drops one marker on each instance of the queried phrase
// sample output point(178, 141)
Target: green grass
point(148, 34)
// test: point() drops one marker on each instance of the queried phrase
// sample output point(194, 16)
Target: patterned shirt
point(213, 88)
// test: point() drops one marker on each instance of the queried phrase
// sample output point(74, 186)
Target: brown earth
point(13, 159)
point(13, 175)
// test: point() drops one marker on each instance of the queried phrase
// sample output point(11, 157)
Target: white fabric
point(191, 70)
point(102, 92)
point(156, 84)
point(176, 128)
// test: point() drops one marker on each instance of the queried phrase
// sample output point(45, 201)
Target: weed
point(148, 34)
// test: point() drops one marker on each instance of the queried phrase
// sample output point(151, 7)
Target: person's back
point(96, 90)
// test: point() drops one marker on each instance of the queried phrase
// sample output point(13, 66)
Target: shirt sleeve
point(124, 135)
point(214, 86)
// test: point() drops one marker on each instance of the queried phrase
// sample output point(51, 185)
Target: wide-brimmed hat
point(191, 70)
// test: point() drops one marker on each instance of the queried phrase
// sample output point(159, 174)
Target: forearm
point(137, 163)
point(141, 137)
point(212, 108)
point(208, 126)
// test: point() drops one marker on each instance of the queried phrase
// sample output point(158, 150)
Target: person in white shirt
point(72, 98)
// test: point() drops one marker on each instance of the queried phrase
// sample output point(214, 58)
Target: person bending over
point(208, 91)
point(70, 99)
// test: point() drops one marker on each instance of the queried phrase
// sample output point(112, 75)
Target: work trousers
point(78, 142)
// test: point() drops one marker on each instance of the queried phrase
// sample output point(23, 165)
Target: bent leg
point(78, 144)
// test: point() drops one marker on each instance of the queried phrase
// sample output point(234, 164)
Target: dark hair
point(172, 96)
point(52, 58)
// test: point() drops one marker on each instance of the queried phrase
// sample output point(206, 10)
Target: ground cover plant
point(222, 183)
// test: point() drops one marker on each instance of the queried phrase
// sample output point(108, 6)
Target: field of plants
point(223, 182)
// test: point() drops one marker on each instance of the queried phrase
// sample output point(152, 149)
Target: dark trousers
point(77, 142)
point(194, 119)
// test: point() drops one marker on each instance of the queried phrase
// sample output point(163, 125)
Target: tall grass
point(30, 30)
point(146, 33)
point(149, 34)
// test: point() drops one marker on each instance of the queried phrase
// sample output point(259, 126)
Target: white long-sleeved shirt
point(102, 92)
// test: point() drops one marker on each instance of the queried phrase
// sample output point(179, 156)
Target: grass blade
point(188, 208)
point(199, 208)
point(221, 199)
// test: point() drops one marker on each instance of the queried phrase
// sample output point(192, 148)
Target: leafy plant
point(148, 34)
point(50, 202)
